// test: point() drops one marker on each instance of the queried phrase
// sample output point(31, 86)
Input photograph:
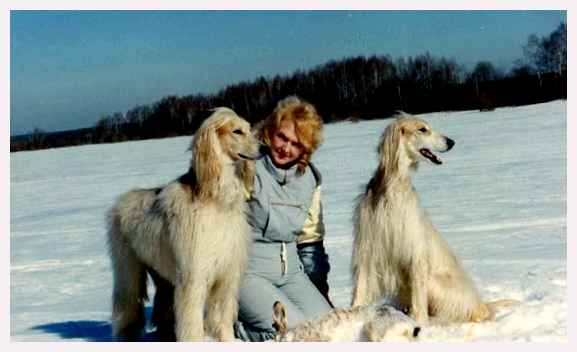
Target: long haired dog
point(192, 232)
point(397, 253)
point(376, 322)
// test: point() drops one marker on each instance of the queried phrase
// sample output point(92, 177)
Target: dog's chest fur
point(211, 228)
point(401, 214)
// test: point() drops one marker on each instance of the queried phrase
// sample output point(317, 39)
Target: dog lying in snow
point(376, 322)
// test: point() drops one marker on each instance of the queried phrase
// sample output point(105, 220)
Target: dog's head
point(226, 134)
point(406, 141)
point(393, 325)
point(418, 140)
point(224, 138)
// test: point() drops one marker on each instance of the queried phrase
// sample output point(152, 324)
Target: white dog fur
point(397, 253)
point(375, 322)
point(192, 232)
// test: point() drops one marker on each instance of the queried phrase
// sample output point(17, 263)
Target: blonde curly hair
point(308, 126)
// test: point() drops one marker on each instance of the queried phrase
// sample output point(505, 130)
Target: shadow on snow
point(88, 330)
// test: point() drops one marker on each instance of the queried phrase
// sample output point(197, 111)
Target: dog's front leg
point(229, 316)
point(189, 300)
point(419, 289)
point(223, 307)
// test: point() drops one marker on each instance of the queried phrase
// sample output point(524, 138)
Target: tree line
point(348, 89)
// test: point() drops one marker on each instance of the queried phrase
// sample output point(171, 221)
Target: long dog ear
point(247, 173)
point(279, 318)
point(205, 159)
point(388, 150)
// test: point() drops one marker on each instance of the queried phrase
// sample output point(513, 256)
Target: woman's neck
point(282, 174)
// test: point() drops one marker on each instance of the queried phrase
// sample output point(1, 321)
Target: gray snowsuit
point(284, 209)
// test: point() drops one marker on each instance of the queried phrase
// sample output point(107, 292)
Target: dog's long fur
point(397, 253)
point(192, 232)
point(376, 322)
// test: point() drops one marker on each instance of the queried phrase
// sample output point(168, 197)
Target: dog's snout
point(416, 331)
point(450, 143)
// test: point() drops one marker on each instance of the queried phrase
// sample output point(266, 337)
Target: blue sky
point(70, 68)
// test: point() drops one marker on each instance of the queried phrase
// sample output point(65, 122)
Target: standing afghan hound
point(192, 232)
point(397, 253)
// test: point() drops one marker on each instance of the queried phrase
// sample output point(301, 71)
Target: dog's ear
point(205, 157)
point(279, 318)
point(247, 173)
point(389, 148)
point(388, 158)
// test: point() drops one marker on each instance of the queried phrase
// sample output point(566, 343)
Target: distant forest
point(347, 89)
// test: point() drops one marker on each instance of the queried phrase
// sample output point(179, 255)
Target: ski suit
point(284, 208)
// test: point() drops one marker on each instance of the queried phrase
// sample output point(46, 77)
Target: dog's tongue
point(427, 154)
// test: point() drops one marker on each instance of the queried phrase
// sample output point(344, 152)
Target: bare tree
point(37, 139)
point(548, 54)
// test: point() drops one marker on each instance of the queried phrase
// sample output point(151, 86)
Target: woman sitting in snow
point(286, 218)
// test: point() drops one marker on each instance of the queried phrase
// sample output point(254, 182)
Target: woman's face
point(285, 146)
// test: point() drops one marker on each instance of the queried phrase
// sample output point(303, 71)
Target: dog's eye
point(423, 129)
point(238, 131)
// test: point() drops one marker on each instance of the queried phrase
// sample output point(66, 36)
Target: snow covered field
point(499, 199)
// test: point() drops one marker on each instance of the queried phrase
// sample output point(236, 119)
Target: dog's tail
point(279, 318)
point(501, 303)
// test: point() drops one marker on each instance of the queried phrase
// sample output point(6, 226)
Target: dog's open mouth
point(429, 155)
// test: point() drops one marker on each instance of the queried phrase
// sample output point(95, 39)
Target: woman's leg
point(305, 296)
point(256, 298)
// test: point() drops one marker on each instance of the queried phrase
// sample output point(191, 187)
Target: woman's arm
point(311, 249)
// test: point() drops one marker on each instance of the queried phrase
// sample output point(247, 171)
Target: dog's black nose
point(416, 331)
point(450, 143)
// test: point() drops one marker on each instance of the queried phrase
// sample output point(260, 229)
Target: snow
point(499, 199)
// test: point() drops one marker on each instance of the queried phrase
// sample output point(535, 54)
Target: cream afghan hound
point(397, 253)
point(192, 232)
point(375, 322)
